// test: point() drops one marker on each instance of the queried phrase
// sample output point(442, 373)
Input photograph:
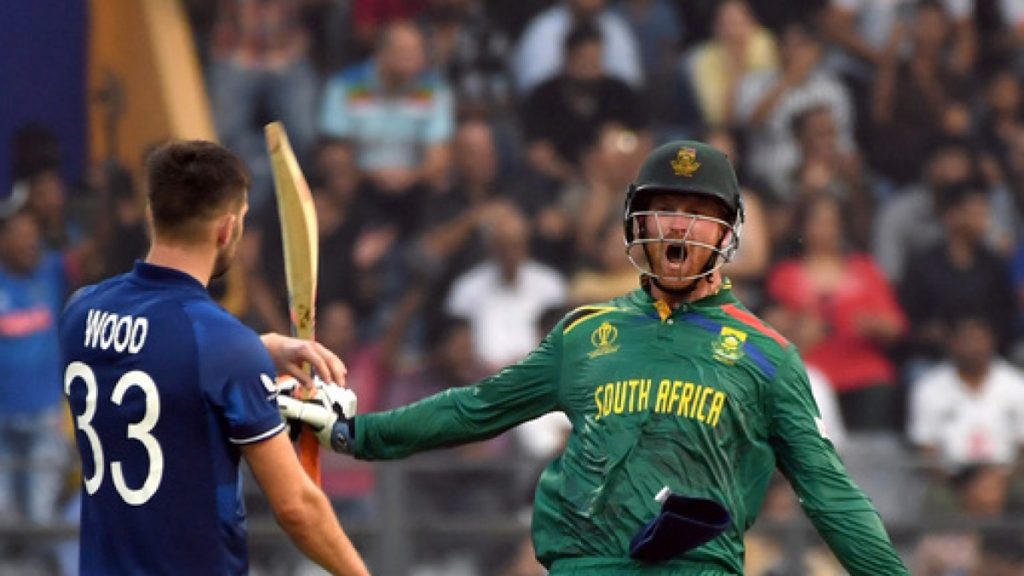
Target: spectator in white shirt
point(505, 296)
point(970, 410)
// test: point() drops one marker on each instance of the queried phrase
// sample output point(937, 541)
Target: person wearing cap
point(682, 404)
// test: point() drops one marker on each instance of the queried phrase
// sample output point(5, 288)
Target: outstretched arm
point(456, 416)
point(839, 510)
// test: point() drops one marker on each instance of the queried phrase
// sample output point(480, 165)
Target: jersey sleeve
point(237, 377)
point(839, 510)
point(517, 393)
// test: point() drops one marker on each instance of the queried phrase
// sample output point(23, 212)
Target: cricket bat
point(301, 254)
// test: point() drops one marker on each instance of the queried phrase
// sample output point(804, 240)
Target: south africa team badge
point(685, 163)
point(729, 346)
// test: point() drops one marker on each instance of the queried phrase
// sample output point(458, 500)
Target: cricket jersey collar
point(643, 299)
point(164, 275)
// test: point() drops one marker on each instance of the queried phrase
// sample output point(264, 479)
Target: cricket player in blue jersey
point(168, 392)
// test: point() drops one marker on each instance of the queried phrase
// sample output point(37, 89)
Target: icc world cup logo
point(603, 339)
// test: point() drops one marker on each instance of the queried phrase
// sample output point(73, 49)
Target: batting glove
point(328, 412)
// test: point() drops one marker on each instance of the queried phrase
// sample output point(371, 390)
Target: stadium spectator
point(826, 168)
point(979, 495)
point(715, 68)
point(504, 297)
point(47, 200)
point(348, 483)
point(472, 55)
point(1000, 115)
point(843, 315)
point(563, 116)
point(34, 449)
point(259, 64)
point(540, 53)
point(768, 100)
point(917, 97)
point(956, 275)
point(397, 117)
point(860, 31)
point(1003, 38)
point(454, 228)
point(910, 221)
point(1001, 135)
point(659, 33)
point(453, 362)
point(658, 30)
point(590, 204)
point(969, 410)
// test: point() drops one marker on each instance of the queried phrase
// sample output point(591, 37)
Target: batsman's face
point(684, 229)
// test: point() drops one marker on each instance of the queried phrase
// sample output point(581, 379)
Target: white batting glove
point(327, 412)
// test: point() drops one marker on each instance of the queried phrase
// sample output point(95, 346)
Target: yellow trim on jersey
point(599, 311)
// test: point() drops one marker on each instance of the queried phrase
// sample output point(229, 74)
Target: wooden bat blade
point(300, 238)
point(298, 230)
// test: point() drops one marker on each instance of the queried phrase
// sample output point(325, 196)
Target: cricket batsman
point(682, 404)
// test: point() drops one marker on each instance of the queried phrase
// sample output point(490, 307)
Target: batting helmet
point(684, 167)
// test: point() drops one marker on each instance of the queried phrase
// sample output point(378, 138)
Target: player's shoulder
point(354, 77)
point(222, 341)
point(739, 321)
point(215, 326)
point(430, 81)
point(89, 294)
point(78, 297)
point(588, 314)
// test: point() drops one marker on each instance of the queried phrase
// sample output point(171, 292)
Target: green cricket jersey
point(704, 399)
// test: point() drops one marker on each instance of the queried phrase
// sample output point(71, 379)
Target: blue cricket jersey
point(29, 353)
point(164, 386)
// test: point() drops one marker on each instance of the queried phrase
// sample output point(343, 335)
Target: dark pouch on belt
point(682, 525)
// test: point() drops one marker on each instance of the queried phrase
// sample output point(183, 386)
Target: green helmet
point(685, 167)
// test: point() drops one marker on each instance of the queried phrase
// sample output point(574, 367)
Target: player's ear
point(226, 229)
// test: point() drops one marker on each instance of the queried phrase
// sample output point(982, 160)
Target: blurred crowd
point(469, 159)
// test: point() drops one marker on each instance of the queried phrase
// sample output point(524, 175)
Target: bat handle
point(309, 447)
point(309, 454)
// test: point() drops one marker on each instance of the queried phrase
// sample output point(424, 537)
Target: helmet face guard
point(643, 235)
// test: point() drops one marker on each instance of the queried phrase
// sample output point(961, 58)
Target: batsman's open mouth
point(673, 259)
point(675, 253)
